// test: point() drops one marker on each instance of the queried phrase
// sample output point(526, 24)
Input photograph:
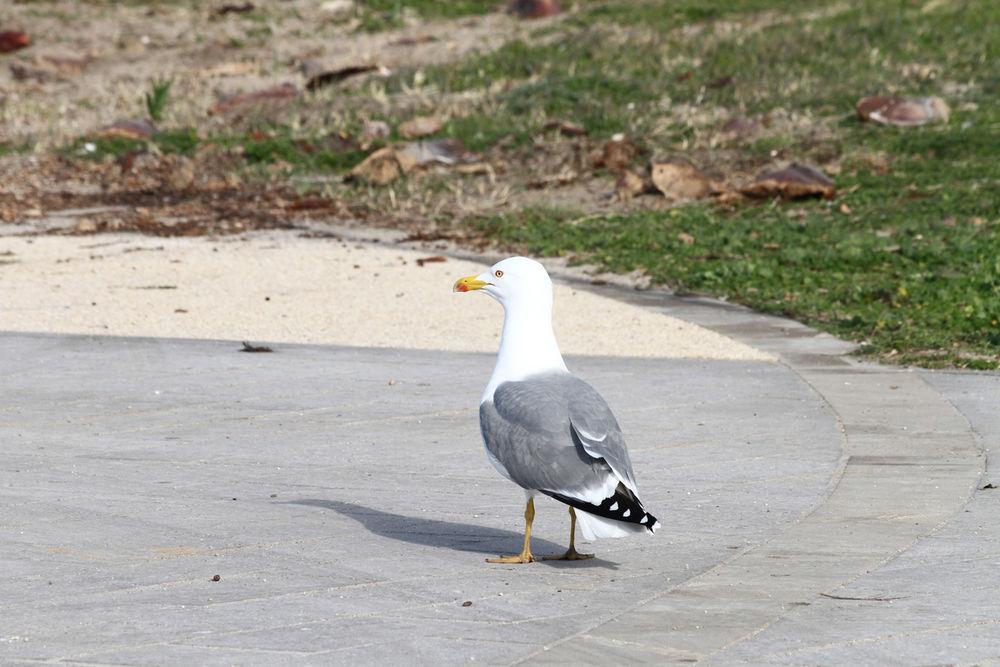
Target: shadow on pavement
point(436, 533)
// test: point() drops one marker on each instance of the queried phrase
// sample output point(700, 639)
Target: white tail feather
point(593, 527)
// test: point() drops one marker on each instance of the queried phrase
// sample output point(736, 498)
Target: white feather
point(594, 527)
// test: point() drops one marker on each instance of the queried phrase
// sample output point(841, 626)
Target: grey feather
point(554, 432)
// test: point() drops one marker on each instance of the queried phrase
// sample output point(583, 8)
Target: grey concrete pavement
point(816, 511)
point(348, 518)
point(934, 604)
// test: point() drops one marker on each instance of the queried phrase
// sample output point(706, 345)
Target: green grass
point(592, 73)
point(157, 99)
point(8, 148)
point(276, 145)
point(302, 154)
point(906, 262)
point(183, 142)
point(378, 15)
point(912, 270)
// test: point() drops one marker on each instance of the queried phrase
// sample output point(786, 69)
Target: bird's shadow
point(437, 533)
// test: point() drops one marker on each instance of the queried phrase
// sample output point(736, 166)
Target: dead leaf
point(566, 128)
point(389, 163)
point(629, 185)
point(234, 9)
point(677, 179)
point(685, 238)
point(431, 260)
point(413, 41)
point(564, 178)
point(616, 154)
point(796, 181)
point(310, 204)
point(845, 209)
point(436, 151)
point(128, 129)
point(722, 82)
point(280, 93)
point(534, 9)
point(379, 168)
point(903, 112)
point(421, 126)
point(13, 40)
point(325, 78)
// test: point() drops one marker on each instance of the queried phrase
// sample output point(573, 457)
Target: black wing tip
point(624, 507)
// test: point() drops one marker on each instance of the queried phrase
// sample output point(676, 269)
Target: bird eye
point(498, 273)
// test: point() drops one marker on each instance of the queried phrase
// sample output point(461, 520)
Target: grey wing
point(528, 432)
point(598, 432)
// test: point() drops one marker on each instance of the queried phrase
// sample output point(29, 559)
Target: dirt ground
point(89, 65)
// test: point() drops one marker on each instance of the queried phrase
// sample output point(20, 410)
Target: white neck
point(527, 345)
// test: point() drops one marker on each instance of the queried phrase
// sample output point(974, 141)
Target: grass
point(378, 15)
point(157, 98)
point(182, 141)
point(906, 262)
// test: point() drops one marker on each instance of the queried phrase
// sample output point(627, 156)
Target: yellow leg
point(525, 555)
point(571, 553)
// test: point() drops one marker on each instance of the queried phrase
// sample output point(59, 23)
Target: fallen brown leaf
point(431, 260)
point(616, 154)
point(13, 40)
point(280, 93)
point(796, 181)
point(534, 9)
point(379, 168)
point(722, 82)
point(903, 112)
point(242, 8)
point(629, 185)
point(566, 128)
point(412, 41)
point(677, 179)
point(128, 129)
point(685, 238)
point(317, 81)
point(310, 204)
point(421, 126)
point(435, 151)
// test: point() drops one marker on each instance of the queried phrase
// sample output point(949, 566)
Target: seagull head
point(512, 281)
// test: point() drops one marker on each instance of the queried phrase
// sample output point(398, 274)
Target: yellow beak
point(469, 283)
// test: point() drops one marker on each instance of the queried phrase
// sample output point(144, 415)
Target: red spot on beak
point(462, 288)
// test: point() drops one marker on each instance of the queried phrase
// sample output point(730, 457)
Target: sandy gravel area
point(279, 287)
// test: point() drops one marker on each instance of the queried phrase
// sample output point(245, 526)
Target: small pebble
point(467, 603)
point(216, 578)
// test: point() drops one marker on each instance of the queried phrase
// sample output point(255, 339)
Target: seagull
point(545, 429)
